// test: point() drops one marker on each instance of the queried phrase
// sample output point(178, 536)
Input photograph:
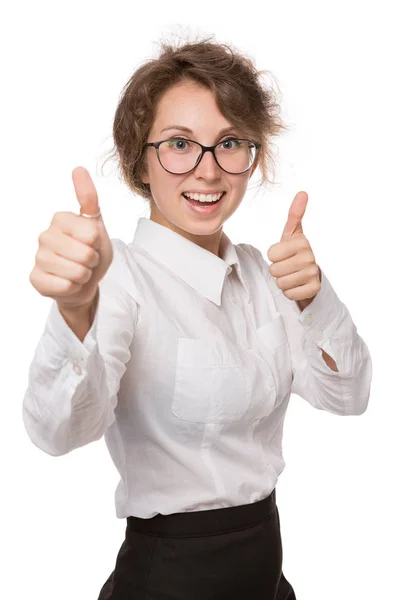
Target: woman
point(180, 347)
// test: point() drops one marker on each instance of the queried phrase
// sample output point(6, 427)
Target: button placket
point(273, 338)
point(77, 363)
point(239, 316)
point(77, 368)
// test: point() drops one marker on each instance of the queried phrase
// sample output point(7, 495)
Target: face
point(194, 107)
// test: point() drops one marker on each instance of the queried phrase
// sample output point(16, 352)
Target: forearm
point(302, 304)
point(80, 320)
point(329, 361)
point(70, 397)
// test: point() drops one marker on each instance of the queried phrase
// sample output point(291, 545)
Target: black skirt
point(232, 553)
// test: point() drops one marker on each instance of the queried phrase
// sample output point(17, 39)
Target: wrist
point(81, 310)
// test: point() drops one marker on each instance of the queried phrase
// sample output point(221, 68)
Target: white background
point(63, 68)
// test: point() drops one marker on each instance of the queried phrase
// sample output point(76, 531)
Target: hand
point(293, 261)
point(74, 252)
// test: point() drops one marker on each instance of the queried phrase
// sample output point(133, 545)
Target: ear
point(144, 176)
point(253, 168)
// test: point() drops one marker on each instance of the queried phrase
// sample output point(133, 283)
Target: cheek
point(166, 189)
point(160, 181)
point(238, 190)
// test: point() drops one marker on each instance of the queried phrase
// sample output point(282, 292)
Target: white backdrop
point(63, 68)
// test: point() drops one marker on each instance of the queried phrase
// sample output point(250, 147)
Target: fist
point(293, 261)
point(75, 252)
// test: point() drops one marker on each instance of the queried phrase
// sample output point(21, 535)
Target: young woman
point(181, 348)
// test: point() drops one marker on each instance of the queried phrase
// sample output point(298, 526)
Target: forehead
point(190, 105)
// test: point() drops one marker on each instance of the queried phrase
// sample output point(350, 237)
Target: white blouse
point(187, 371)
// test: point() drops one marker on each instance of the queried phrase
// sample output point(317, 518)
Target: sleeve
point(326, 324)
point(73, 386)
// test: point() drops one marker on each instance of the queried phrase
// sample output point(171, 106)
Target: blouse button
point(270, 382)
point(77, 369)
point(308, 318)
point(319, 335)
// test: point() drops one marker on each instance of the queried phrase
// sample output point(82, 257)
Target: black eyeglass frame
point(204, 149)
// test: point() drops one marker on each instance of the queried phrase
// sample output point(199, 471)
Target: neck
point(208, 242)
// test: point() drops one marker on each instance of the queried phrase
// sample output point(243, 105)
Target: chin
point(208, 224)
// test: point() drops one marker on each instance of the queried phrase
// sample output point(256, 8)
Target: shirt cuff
point(320, 318)
point(61, 343)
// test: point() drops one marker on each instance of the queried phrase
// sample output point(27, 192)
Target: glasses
point(179, 155)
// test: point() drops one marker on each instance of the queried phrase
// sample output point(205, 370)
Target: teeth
point(204, 197)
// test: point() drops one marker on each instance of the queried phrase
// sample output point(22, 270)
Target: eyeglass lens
point(180, 156)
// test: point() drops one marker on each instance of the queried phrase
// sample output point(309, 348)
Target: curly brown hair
point(239, 91)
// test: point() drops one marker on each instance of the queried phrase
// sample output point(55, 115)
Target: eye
point(234, 141)
point(178, 143)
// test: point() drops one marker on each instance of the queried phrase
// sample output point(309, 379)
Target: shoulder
point(256, 260)
point(251, 254)
point(120, 261)
point(120, 251)
point(121, 272)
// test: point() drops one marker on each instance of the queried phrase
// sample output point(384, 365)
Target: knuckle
point(64, 287)
point(87, 233)
point(36, 280)
point(82, 275)
point(90, 256)
point(39, 256)
point(60, 218)
point(67, 287)
point(57, 217)
point(42, 238)
point(32, 277)
point(308, 256)
point(94, 233)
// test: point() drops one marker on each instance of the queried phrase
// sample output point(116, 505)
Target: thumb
point(85, 191)
point(296, 213)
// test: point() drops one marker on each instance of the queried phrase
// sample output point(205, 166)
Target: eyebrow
point(182, 128)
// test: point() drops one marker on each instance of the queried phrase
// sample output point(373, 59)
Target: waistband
point(206, 522)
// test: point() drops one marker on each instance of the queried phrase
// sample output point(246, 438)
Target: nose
point(207, 167)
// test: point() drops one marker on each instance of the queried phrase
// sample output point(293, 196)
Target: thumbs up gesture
point(75, 252)
point(293, 261)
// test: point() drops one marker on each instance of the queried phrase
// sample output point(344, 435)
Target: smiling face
point(192, 106)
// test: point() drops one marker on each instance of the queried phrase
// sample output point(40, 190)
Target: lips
point(203, 207)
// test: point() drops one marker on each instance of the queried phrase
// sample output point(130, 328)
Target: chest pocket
point(211, 383)
point(276, 350)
